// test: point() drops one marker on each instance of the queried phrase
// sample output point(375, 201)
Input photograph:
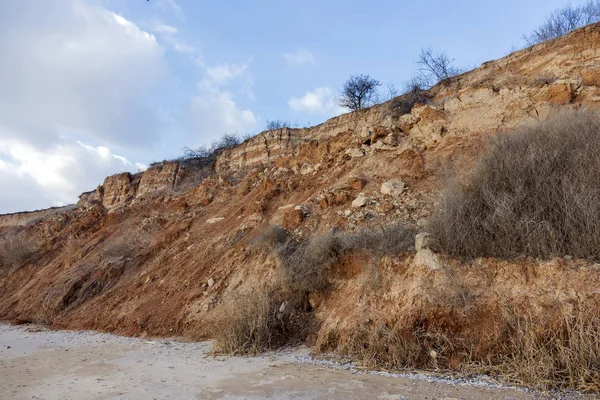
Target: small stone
point(355, 153)
point(214, 220)
point(307, 169)
point(358, 183)
point(391, 139)
point(211, 282)
point(360, 201)
point(385, 207)
point(393, 187)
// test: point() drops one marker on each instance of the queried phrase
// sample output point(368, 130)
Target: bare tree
point(359, 91)
point(435, 67)
point(565, 20)
point(227, 141)
point(277, 124)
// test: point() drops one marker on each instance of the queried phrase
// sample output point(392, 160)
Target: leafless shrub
point(414, 95)
point(565, 20)
point(536, 192)
point(248, 324)
point(276, 125)
point(305, 264)
point(16, 249)
point(435, 67)
point(118, 247)
point(381, 241)
point(359, 91)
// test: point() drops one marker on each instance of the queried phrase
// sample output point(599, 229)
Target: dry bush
point(248, 324)
point(404, 103)
point(305, 264)
point(119, 246)
point(540, 354)
point(530, 351)
point(536, 192)
point(382, 347)
point(16, 250)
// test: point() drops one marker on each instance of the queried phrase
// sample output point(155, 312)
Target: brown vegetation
point(248, 324)
point(536, 192)
point(16, 249)
point(530, 351)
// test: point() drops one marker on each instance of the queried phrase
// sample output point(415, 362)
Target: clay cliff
point(156, 253)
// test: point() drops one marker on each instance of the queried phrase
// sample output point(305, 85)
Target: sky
point(89, 88)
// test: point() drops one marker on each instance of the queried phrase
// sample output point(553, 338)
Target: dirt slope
point(154, 254)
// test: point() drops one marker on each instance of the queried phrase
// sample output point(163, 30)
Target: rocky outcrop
point(518, 89)
point(24, 218)
point(121, 188)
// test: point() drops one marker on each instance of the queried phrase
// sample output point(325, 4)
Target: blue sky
point(95, 87)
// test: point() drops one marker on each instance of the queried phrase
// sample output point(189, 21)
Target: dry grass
point(248, 324)
point(536, 192)
point(531, 351)
point(549, 355)
point(16, 250)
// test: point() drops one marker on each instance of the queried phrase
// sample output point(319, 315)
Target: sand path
point(41, 364)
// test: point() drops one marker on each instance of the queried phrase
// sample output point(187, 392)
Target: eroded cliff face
point(137, 255)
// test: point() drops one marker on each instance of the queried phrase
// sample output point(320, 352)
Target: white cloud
point(171, 36)
point(84, 73)
point(172, 6)
point(222, 74)
point(319, 101)
point(300, 57)
point(55, 176)
point(215, 113)
point(89, 71)
point(225, 74)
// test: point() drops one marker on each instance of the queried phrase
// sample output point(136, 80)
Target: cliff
point(156, 253)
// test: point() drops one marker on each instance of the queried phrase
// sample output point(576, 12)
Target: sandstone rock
point(211, 282)
point(358, 183)
point(392, 139)
point(342, 197)
point(427, 258)
point(214, 220)
point(360, 201)
point(385, 207)
point(292, 219)
point(422, 241)
point(307, 169)
point(366, 132)
point(355, 153)
point(393, 187)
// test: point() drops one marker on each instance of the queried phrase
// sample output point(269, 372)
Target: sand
point(39, 364)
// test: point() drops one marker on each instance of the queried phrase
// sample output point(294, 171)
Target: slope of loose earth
point(157, 253)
